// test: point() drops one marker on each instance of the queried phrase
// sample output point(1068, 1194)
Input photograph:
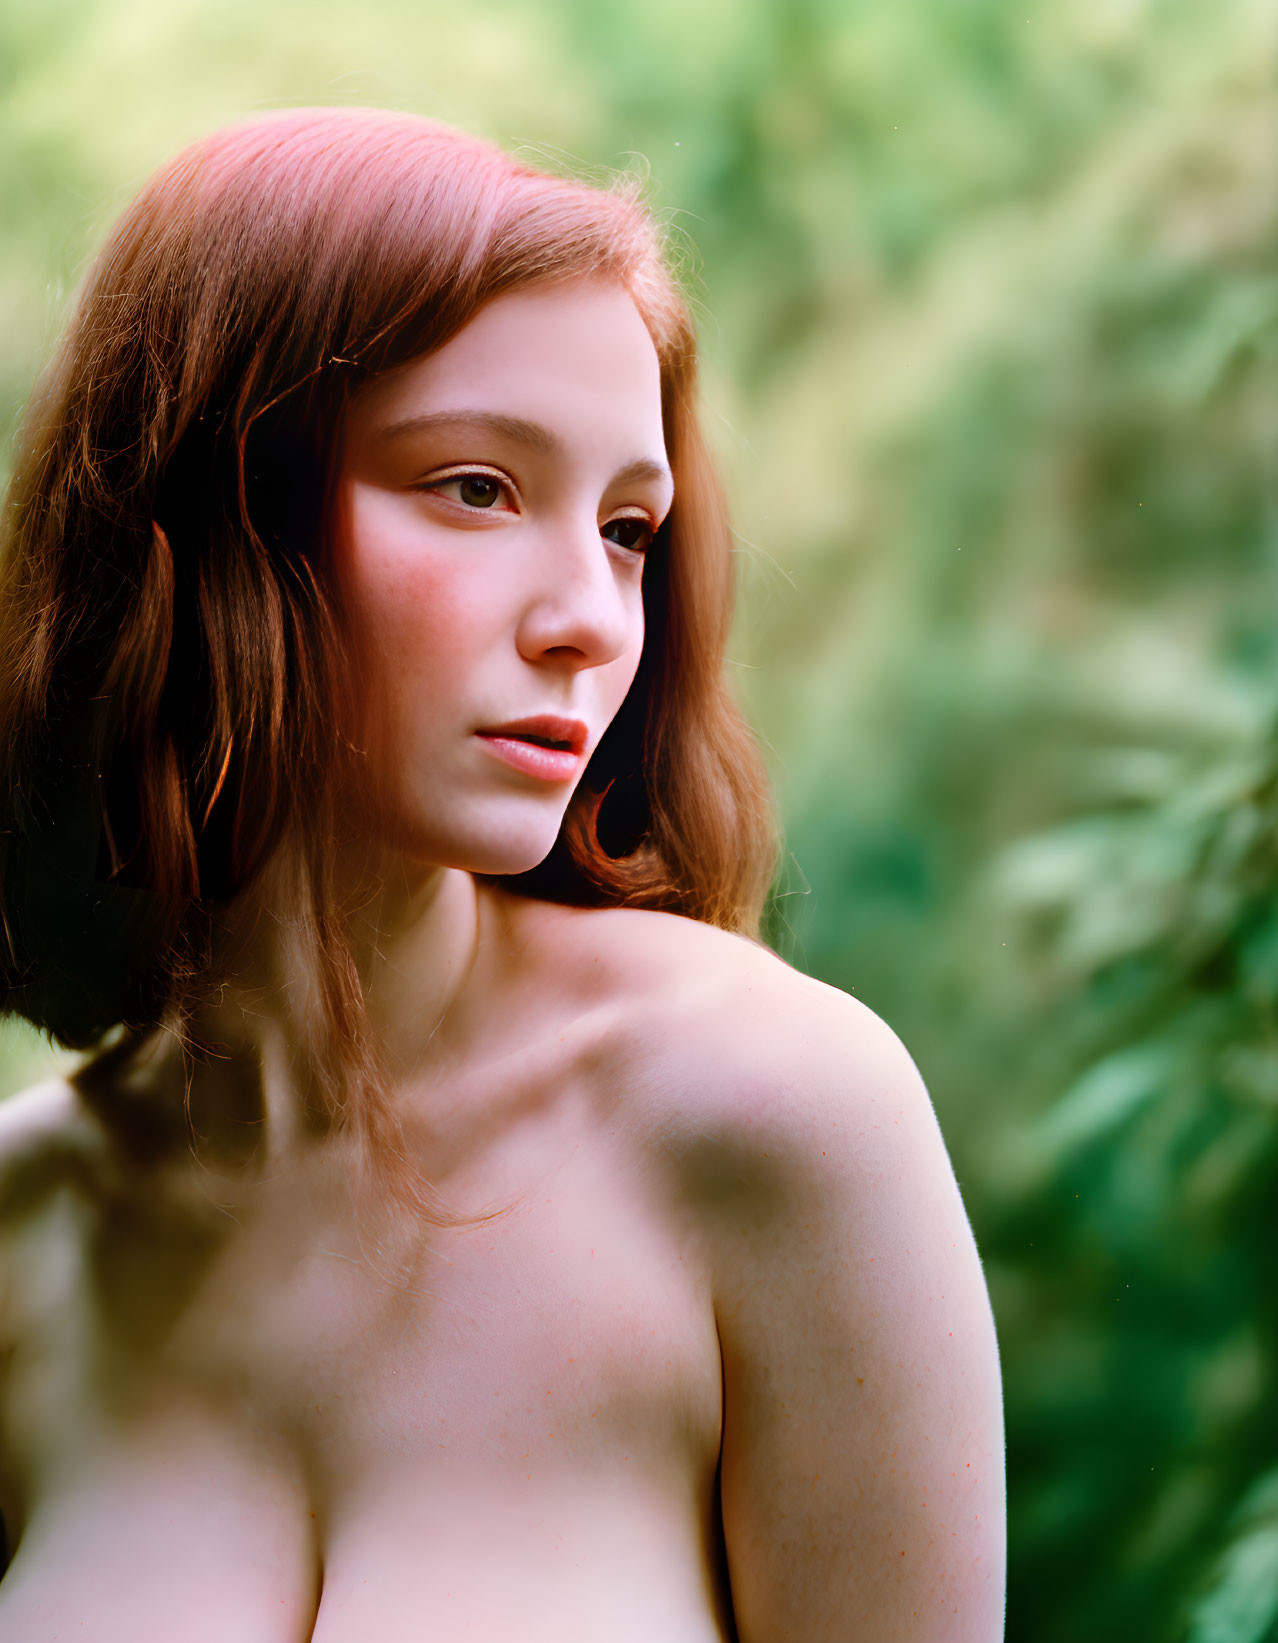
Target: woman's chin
point(500, 857)
point(506, 864)
point(495, 846)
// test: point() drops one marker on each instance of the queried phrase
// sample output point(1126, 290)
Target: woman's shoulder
point(723, 1037)
point(49, 1140)
point(51, 1152)
point(655, 966)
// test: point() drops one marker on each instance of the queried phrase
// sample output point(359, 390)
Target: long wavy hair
point(172, 665)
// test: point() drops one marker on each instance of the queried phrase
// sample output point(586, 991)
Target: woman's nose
point(582, 609)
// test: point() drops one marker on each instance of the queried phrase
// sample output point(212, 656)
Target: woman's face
point(494, 503)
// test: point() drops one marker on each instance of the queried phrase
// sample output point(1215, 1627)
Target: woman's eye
point(472, 490)
point(628, 532)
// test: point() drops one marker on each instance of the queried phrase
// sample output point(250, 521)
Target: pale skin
point(713, 1356)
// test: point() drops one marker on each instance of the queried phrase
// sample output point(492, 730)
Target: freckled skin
point(703, 1352)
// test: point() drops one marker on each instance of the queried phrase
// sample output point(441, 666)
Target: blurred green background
point(989, 301)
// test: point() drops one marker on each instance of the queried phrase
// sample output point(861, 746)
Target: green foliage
point(1129, 1216)
point(1242, 1605)
point(989, 298)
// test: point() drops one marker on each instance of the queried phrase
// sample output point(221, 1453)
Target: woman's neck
point(260, 1034)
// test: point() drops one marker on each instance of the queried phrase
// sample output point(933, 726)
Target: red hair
point(171, 665)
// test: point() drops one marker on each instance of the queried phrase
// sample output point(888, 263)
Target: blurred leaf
point(1242, 1605)
point(1107, 1096)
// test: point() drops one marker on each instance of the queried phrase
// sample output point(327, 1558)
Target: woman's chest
point(289, 1424)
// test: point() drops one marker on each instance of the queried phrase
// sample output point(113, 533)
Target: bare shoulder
point(48, 1156)
point(50, 1143)
point(862, 1468)
point(654, 967)
point(43, 1128)
point(727, 1045)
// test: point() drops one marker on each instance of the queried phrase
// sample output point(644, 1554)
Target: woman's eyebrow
point(535, 435)
point(643, 469)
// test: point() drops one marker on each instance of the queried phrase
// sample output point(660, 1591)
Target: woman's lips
point(523, 746)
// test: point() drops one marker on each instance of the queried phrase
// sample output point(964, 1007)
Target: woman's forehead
point(538, 367)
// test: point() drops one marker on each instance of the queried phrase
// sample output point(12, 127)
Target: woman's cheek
point(414, 599)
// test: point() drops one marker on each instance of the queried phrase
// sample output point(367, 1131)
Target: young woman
point(461, 1226)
